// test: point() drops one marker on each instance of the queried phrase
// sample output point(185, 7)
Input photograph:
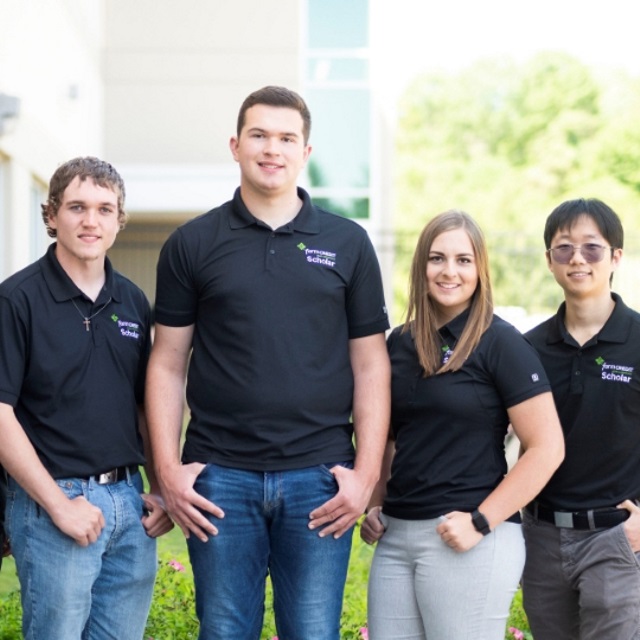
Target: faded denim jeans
point(70, 592)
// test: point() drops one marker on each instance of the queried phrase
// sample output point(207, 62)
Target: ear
point(306, 153)
point(616, 259)
point(233, 145)
point(547, 255)
point(52, 219)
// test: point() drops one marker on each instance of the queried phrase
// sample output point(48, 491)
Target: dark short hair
point(277, 97)
point(102, 173)
point(565, 215)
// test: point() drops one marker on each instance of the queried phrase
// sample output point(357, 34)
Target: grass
point(172, 614)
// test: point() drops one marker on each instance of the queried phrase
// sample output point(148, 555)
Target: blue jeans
point(69, 592)
point(265, 530)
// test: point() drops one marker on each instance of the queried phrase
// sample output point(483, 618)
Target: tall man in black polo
point(279, 306)
point(73, 351)
point(582, 574)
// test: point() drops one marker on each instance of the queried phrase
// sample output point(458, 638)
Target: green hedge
point(172, 615)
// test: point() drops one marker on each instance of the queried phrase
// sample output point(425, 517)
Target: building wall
point(175, 76)
point(154, 87)
point(50, 59)
point(176, 73)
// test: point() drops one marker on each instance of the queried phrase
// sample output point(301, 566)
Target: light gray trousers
point(420, 589)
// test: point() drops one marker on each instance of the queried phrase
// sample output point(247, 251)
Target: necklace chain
point(87, 319)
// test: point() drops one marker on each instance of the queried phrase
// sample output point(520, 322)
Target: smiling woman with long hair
point(446, 512)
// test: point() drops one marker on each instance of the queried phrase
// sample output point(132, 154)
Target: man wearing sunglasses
point(582, 576)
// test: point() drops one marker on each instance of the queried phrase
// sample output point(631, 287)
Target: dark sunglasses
point(590, 251)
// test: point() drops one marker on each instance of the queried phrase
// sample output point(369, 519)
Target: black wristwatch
point(480, 522)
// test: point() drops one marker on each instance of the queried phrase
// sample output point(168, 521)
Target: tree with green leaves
point(507, 142)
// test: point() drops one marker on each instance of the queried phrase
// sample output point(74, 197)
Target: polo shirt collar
point(307, 220)
point(455, 327)
point(616, 329)
point(62, 286)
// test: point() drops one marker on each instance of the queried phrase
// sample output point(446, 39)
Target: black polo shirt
point(596, 388)
point(450, 428)
point(270, 385)
point(75, 392)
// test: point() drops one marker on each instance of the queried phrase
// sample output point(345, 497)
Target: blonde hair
point(421, 313)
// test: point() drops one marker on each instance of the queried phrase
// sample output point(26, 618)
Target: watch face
point(480, 523)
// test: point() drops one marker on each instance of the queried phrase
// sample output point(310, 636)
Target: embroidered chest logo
point(318, 256)
point(127, 329)
point(446, 353)
point(615, 372)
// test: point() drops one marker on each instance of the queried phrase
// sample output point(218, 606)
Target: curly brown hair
point(102, 173)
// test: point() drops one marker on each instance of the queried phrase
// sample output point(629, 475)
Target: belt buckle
point(108, 477)
point(563, 519)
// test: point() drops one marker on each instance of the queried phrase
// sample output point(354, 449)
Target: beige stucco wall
point(154, 87)
point(50, 58)
point(176, 73)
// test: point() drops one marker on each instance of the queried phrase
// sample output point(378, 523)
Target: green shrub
point(172, 615)
point(518, 625)
point(11, 617)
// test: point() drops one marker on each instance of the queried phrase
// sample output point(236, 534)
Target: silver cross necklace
point(87, 319)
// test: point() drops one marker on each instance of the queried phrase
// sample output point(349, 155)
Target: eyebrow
point(567, 236)
point(458, 255)
point(84, 202)
point(290, 134)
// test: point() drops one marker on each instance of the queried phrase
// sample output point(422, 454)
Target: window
point(336, 79)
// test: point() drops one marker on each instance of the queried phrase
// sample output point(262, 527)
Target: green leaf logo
point(600, 360)
point(114, 317)
point(302, 246)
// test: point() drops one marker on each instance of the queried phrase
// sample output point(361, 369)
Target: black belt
point(585, 520)
point(114, 475)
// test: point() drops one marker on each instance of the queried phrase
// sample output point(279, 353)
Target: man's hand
point(341, 512)
point(457, 531)
point(372, 528)
point(156, 521)
point(184, 505)
point(80, 520)
point(632, 524)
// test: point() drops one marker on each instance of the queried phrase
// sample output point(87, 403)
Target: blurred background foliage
point(507, 142)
